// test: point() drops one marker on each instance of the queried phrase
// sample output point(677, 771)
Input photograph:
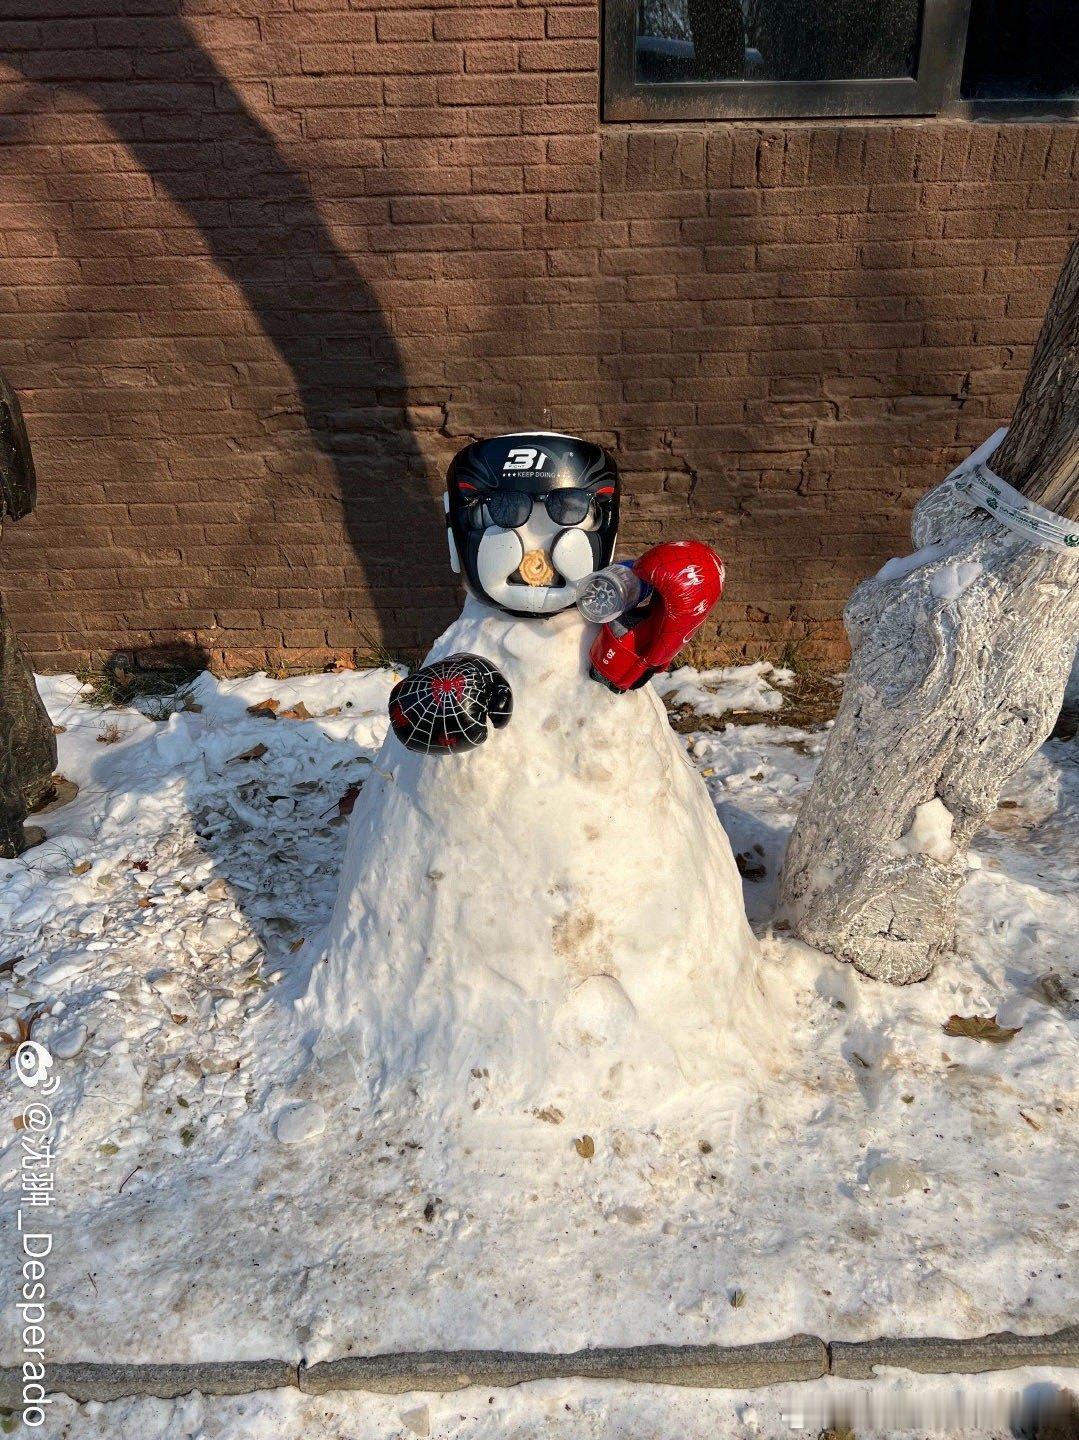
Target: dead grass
point(809, 701)
point(158, 694)
point(368, 654)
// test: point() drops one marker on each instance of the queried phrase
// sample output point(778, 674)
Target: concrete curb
point(93, 1380)
point(721, 1367)
point(733, 1367)
point(1002, 1351)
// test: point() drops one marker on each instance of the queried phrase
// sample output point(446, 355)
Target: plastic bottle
point(607, 594)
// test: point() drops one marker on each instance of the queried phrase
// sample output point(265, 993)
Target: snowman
point(537, 897)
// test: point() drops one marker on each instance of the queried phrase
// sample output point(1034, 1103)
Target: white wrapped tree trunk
point(961, 654)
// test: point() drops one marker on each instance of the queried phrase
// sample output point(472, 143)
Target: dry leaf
point(24, 1025)
point(980, 1027)
point(267, 708)
point(296, 945)
point(347, 802)
point(585, 1147)
point(1032, 1123)
point(82, 867)
point(1054, 991)
point(255, 753)
point(738, 1298)
point(19, 1123)
point(298, 712)
point(750, 867)
point(333, 710)
point(551, 1114)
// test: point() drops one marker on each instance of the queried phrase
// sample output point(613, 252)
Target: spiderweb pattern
point(446, 705)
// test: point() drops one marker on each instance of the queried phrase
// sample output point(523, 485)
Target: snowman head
point(529, 515)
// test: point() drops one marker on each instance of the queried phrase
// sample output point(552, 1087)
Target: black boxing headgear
point(529, 515)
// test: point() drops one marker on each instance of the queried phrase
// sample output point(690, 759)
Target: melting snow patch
point(949, 582)
point(930, 832)
point(902, 565)
point(734, 689)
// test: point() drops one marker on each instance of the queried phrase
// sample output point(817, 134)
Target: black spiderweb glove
point(446, 705)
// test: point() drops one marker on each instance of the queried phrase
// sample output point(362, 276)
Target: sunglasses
point(510, 509)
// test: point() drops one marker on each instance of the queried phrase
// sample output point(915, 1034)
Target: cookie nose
point(536, 568)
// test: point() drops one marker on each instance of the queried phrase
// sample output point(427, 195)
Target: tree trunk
point(961, 654)
point(27, 742)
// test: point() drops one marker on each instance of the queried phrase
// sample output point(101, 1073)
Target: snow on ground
point(735, 689)
point(891, 1178)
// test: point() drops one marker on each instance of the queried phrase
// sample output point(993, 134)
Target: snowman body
point(554, 915)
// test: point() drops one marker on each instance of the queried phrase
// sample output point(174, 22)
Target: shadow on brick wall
point(189, 127)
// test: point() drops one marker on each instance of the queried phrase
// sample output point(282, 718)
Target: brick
point(572, 22)
point(319, 92)
point(560, 55)
point(488, 24)
point(406, 25)
point(491, 58)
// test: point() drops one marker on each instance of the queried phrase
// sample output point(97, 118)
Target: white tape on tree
point(974, 479)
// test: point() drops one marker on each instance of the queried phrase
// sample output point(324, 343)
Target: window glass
point(1022, 49)
point(779, 39)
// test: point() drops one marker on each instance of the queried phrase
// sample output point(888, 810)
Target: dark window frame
point(934, 90)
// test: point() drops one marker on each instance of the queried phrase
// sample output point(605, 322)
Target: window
point(729, 59)
point(1022, 49)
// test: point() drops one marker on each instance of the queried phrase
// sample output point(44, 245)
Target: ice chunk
point(301, 1122)
point(893, 1178)
point(417, 1420)
point(64, 969)
point(68, 1043)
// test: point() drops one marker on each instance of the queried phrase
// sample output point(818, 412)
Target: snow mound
point(930, 832)
point(726, 690)
point(555, 915)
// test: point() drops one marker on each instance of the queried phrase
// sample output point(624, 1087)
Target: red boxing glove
point(687, 579)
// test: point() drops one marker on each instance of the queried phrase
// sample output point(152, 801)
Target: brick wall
point(266, 264)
